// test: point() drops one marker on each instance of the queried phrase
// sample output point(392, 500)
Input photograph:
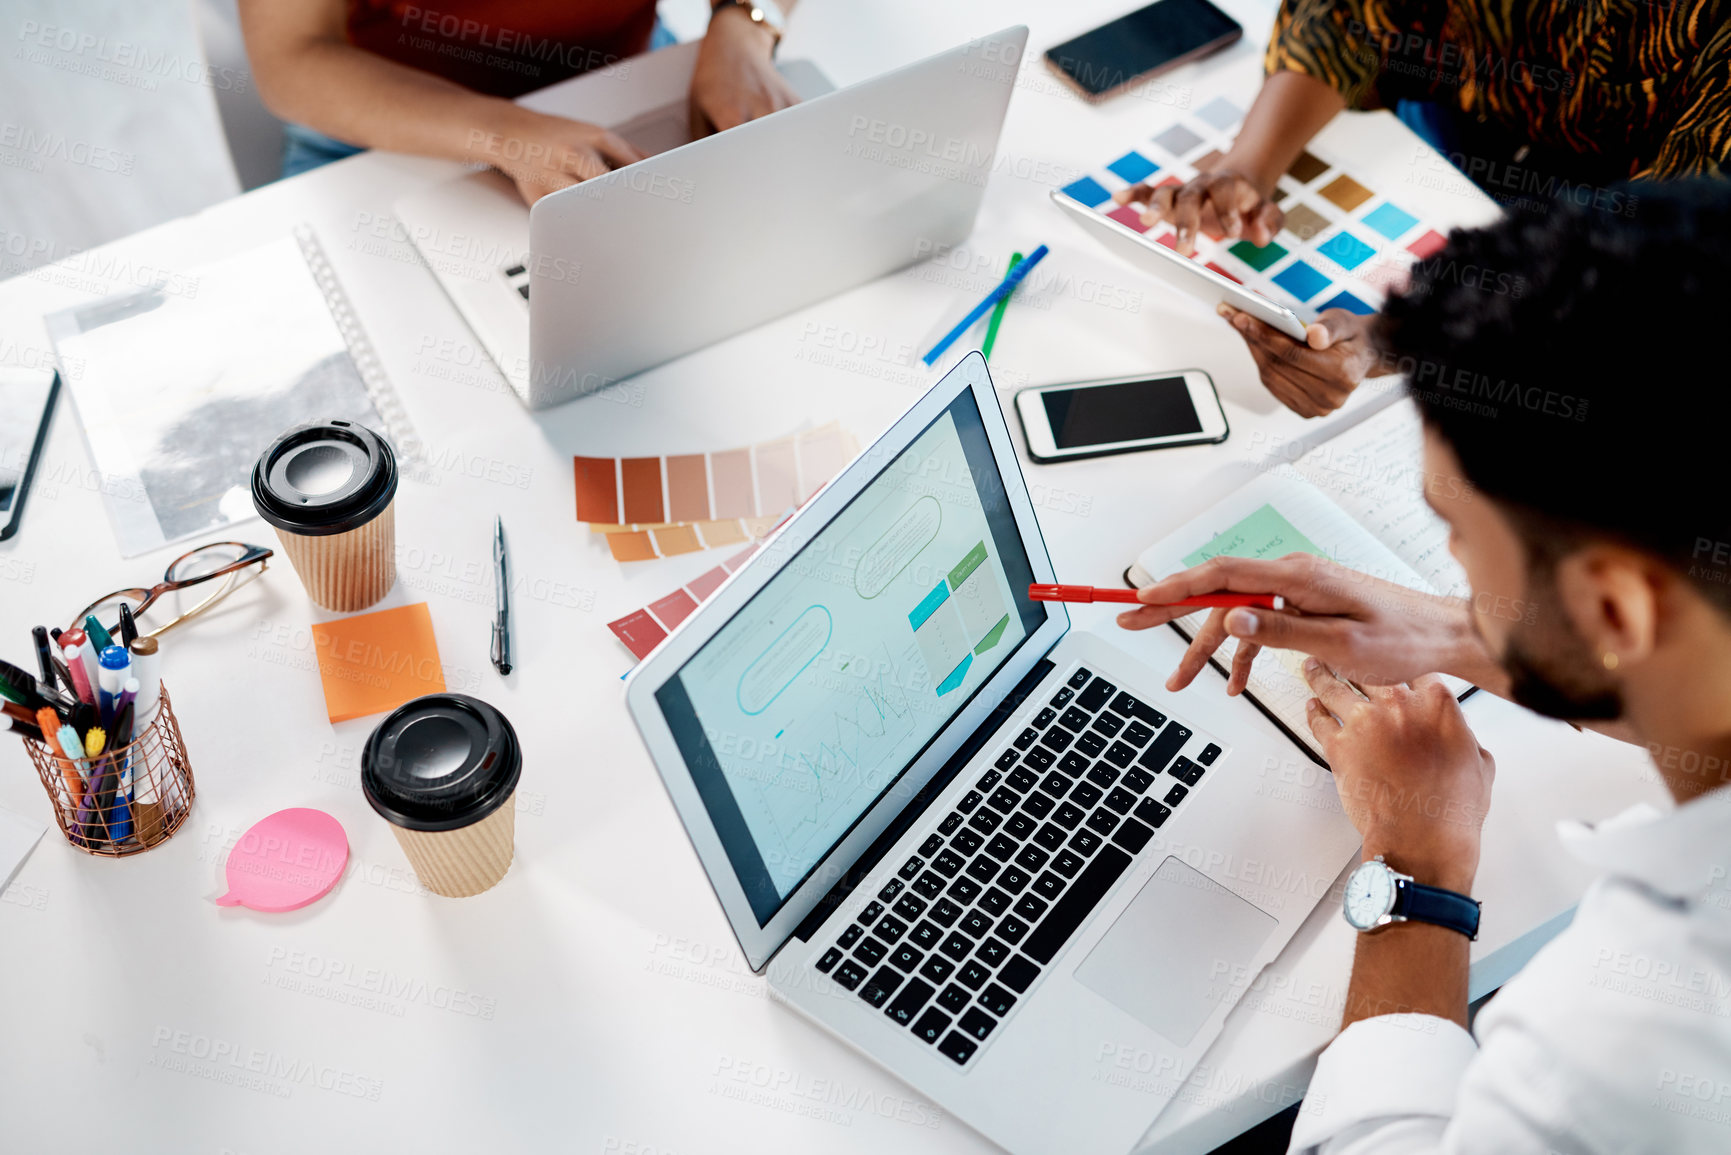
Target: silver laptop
point(710, 237)
point(986, 849)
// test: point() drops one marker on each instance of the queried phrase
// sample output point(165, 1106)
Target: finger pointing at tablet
point(1221, 202)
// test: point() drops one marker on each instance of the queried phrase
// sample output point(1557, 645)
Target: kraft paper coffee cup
point(443, 770)
point(328, 487)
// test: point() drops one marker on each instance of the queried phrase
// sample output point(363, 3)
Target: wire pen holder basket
point(126, 799)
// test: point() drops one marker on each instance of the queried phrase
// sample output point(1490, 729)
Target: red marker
point(1057, 593)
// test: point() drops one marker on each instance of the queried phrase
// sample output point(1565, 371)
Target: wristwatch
point(763, 13)
point(1377, 895)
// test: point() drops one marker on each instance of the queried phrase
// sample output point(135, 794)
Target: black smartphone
point(26, 403)
point(1120, 415)
point(1145, 43)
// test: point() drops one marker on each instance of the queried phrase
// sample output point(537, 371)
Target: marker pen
point(80, 680)
point(44, 656)
point(146, 666)
point(99, 637)
point(86, 653)
point(1043, 592)
point(119, 804)
point(129, 697)
point(111, 677)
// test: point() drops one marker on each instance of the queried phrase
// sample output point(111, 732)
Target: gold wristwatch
point(763, 13)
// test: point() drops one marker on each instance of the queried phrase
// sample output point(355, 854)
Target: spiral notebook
point(1357, 499)
point(181, 385)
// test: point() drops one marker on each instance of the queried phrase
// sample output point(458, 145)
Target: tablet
point(1178, 271)
point(26, 405)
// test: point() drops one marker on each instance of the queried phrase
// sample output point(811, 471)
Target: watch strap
point(1432, 904)
point(764, 13)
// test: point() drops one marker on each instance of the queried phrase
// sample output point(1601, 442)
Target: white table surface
point(595, 1000)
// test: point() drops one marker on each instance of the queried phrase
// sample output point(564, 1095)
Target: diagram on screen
point(817, 695)
point(842, 765)
point(964, 615)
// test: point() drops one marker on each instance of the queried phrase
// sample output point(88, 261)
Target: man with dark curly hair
point(1589, 416)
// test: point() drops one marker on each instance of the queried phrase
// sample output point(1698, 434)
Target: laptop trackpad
point(1169, 958)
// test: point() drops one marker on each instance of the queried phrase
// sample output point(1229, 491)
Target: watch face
point(1369, 895)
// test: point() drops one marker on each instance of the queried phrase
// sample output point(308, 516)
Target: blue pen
point(1004, 289)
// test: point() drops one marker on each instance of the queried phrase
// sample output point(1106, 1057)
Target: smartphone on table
point(1145, 43)
point(1121, 415)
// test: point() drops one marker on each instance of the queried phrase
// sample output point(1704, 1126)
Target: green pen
point(998, 314)
point(99, 637)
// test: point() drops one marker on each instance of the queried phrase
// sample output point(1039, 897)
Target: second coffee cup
point(442, 770)
point(329, 488)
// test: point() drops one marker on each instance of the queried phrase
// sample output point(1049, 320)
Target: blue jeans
point(304, 149)
point(1504, 164)
point(1433, 123)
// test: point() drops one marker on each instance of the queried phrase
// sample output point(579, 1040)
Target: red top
point(503, 47)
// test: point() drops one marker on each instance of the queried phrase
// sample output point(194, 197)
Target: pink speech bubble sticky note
point(286, 860)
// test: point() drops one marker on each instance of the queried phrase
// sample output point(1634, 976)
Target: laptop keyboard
point(995, 891)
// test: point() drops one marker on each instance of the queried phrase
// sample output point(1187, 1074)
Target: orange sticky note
point(375, 662)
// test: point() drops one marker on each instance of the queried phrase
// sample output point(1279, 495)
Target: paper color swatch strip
point(1343, 245)
point(762, 480)
point(375, 662)
point(668, 539)
point(642, 630)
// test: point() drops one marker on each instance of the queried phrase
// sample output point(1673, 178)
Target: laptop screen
point(810, 703)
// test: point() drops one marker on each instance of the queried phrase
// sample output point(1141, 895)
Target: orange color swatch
point(762, 480)
point(668, 539)
point(375, 662)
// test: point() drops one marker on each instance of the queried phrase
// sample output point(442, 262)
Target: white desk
point(595, 1001)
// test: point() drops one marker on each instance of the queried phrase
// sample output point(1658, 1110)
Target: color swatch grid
point(642, 630)
point(650, 507)
point(1343, 245)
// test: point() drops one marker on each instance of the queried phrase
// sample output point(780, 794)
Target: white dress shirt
point(1615, 1038)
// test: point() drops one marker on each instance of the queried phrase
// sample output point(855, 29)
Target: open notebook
point(1356, 499)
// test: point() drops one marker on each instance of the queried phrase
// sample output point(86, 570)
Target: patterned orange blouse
point(1641, 86)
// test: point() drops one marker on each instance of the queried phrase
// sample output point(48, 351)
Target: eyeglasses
point(227, 564)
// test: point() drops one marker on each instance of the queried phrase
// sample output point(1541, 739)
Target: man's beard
point(1561, 679)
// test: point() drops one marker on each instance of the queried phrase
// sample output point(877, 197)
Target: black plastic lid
point(324, 477)
point(440, 762)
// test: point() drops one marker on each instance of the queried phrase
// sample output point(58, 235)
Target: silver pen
point(501, 650)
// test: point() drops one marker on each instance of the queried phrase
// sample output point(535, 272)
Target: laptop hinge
point(917, 805)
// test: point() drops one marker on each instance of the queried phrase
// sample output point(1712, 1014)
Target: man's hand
point(735, 79)
point(1376, 632)
point(1411, 776)
point(1221, 202)
point(1314, 378)
point(542, 153)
